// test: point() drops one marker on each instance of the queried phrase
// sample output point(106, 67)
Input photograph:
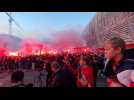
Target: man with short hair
point(60, 77)
point(119, 68)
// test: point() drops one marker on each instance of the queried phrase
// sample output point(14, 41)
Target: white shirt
point(132, 76)
point(124, 77)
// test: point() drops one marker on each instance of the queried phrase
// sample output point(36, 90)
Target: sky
point(42, 25)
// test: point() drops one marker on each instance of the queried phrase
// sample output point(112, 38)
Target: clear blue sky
point(41, 24)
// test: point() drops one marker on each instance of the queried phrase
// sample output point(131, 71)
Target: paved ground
point(5, 78)
point(29, 78)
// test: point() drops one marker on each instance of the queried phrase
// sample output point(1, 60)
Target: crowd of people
point(59, 70)
point(75, 70)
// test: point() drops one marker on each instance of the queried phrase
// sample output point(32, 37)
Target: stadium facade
point(106, 25)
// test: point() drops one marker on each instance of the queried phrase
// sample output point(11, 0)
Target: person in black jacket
point(56, 77)
point(61, 77)
point(17, 79)
point(70, 73)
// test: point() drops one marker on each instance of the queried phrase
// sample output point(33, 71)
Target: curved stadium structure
point(105, 25)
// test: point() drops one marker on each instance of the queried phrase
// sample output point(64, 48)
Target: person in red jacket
point(85, 74)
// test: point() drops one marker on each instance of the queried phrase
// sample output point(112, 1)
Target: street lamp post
point(10, 23)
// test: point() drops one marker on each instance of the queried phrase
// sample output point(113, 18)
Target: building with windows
point(106, 25)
